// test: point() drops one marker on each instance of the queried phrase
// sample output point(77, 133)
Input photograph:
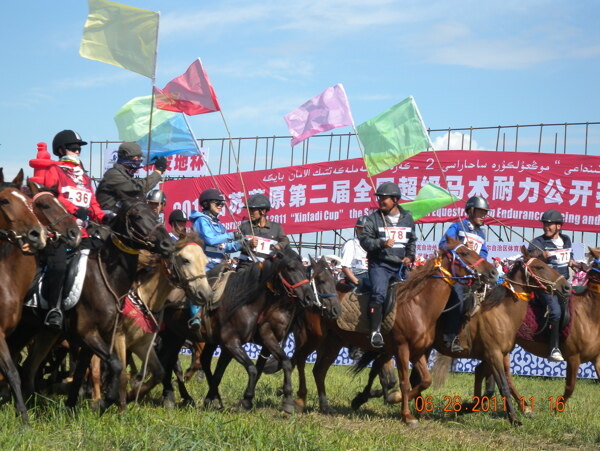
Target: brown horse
point(156, 279)
point(244, 302)
point(419, 303)
point(110, 273)
point(20, 230)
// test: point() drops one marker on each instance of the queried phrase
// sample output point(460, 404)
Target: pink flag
point(327, 111)
point(190, 93)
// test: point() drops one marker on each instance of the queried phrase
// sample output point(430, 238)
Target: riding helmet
point(63, 139)
point(259, 201)
point(388, 189)
point(157, 195)
point(177, 216)
point(477, 202)
point(210, 194)
point(552, 216)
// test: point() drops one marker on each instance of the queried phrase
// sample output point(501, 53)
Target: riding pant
point(380, 275)
point(553, 305)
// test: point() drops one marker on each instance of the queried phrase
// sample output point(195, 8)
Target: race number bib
point(264, 247)
point(473, 242)
point(80, 197)
point(398, 234)
point(360, 263)
point(563, 256)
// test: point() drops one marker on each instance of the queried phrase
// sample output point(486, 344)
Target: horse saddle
point(354, 316)
point(217, 279)
point(73, 285)
point(535, 325)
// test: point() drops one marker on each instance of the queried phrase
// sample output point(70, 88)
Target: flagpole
point(153, 80)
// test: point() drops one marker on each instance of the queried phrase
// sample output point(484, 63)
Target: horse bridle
point(134, 235)
point(471, 269)
point(10, 235)
point(52, 234)
point(176, 277)
point(540, 282)
point(290, 288)
point(318, 295)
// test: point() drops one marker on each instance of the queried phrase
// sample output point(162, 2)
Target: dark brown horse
point(20, 230)
point(244, 303)
point(110, 272)
point(419, 303)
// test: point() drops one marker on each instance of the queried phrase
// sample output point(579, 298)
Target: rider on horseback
point(178, 222)
point(263, 235)
point(157, 200)
point(217, 241)
point(557, 252)
point(119, 181)
point(354, 260)
point(76, 194)
point(471, 232)
point(389, 245)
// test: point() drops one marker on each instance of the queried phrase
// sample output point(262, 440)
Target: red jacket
point(74, 189)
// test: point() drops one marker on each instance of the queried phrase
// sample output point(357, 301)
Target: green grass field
point(375, 426)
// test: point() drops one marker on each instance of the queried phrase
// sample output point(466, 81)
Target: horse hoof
point(246, 404)
point(189, 402)
point(528, 411)
point(412, 423)
point(357, 402)
point(394, 397)
point(327, 410)
point(168, 403)
point(288, 407)
point(299, 405)
point(516, 423)
point(215, 404)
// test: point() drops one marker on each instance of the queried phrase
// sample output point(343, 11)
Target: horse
point(243, 305)
point(92, 322)
point(155, 280)
point(581, 345)
point(21, 235)
point(419, 303)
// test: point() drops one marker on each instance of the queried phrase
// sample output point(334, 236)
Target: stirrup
point(556, 355)
point(454, 345)
point(376, 339)
point(58, 317)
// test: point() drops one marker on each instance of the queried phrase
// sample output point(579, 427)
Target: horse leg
point(9, 369)
point(402, 359)
point(121, 352)
point(168, 354)
point(212, 397)
point(272, 344)
point(186, 398)
point(304, 347)
point(157, 372)
point(42, 345)
point(83, 360)
point(496, 363)
point(195, 364)
point(362, 397)
point(237, 352)
point(326, 355)
point(96, 373)
point(573, 363)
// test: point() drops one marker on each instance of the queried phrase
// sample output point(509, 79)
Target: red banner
point(325, 196)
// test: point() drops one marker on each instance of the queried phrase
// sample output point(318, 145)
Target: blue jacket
point(457, 231)
point(217, 241)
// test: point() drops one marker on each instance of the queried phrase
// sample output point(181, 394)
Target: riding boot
point(375, 318)
point(555, 354)
point(54, 318)
point(195, 321)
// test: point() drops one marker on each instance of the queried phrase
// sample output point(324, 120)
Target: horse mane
point(500, 292)
point(188, 238)
point(242, 288)
point(416, 282)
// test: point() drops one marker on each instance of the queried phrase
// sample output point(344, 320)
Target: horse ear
point(524, 252)
point(313, 262)
point(595, 252)
point(1, 175)
point(33, 187)
point(19, 178)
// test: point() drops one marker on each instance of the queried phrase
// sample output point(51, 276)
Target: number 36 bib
point(79, 196)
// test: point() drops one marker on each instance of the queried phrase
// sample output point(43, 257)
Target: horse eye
point(4, 202)
point(185, 261)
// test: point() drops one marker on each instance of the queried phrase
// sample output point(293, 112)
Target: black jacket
point(374, 237)
point(117, 184)
point(271, 230)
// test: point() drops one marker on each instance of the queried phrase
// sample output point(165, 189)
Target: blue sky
point(465, 62)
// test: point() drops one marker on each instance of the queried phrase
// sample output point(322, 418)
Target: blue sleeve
point(484, 250)
point(209, 233)
point(452, 232)
point(233, 246)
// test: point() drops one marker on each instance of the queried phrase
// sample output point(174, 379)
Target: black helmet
point(63, 139)
point(477, 202)
point(552, 216)
point(360, 222)
point(259, 201)
point(388, 189)
point(177, 216)
point(210, 194)
point(156, 195)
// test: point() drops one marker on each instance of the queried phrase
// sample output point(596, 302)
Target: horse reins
point(55, 234)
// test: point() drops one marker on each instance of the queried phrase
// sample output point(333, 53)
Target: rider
point(389, 245)
point(156, 200)
point(178, 222)
point(471, 232)
point(557, 252)
point(263, 236)
point(76, 194)
point(354, 260)
point(217, 242)
point(119, 181)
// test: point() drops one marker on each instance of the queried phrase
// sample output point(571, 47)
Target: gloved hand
point(236, 235)
point(108, 217)
point(160, 164)
point(82, 213)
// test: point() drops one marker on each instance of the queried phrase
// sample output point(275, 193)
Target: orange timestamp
point(486, 404)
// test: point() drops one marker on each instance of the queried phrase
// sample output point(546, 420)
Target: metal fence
point(267, 152)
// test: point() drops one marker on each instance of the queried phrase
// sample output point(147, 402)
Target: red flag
point(190, 93)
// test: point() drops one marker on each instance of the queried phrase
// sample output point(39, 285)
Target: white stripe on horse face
point(20, 196)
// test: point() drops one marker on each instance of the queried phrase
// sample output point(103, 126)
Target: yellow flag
point(121, 35)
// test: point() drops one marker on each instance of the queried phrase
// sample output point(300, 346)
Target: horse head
point(467, 263)
point(187, 269)
point(593, 273)
point(323, 284)
point(138, 227)
point(61, 225)
point(538, 275)
point(18, 223)
point(294, 277)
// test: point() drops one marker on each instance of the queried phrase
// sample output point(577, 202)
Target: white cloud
point(458, 141)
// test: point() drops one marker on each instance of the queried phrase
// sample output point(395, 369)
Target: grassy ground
point(375, 426)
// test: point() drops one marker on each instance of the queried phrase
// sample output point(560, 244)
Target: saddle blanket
point(355, 314)
point(37, 300)
point(534, 326)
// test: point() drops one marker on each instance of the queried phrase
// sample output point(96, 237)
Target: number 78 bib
point(398, 234)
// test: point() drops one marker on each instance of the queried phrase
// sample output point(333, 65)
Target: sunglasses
point(218, 203)
point(73, 148)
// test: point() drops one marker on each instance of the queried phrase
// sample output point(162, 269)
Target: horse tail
point(440, 370)
point(364, 361)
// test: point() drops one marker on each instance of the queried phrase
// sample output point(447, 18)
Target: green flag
point(133, 118)
point(429, 198)
point(393, 136)
point(121, 35)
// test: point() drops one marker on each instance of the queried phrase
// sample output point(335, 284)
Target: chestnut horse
point(419, 303)
point(20, 231)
